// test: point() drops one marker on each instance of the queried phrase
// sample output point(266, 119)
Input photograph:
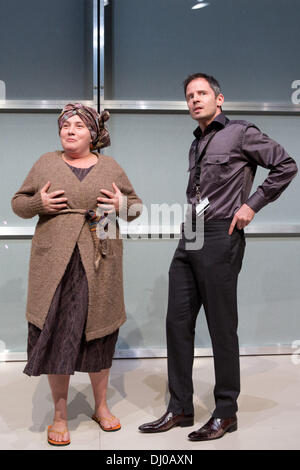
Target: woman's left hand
point(112, 202)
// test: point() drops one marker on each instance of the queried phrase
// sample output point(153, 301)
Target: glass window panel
point(153, 150)
point(268, 294)
point(271, 271)
point(47, 49)
point(14, 261)
point(24, 138)
point(250, 46)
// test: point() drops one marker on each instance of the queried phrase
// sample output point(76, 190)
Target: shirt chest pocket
point(215, 167)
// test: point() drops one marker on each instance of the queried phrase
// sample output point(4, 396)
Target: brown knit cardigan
point(56, 236)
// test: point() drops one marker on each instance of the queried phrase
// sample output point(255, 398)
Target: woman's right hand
point(51, 201)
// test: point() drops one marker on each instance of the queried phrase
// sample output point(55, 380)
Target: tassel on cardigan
point(97, 224)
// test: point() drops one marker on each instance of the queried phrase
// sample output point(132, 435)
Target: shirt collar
point(218, 123)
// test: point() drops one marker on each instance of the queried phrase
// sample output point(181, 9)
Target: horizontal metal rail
point(149, 105)
point(140, 353)
point(167, 232)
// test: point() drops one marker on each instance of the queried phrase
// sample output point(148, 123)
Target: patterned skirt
point(60, 347)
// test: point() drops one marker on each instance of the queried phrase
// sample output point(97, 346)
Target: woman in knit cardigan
point(75, 302)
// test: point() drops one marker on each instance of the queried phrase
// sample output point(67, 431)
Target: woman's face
point(75, 137)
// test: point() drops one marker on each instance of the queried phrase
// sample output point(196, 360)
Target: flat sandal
point(98, 420)
point(58, 443)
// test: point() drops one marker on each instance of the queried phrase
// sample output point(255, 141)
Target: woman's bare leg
point(59, 385)
point(99, 381)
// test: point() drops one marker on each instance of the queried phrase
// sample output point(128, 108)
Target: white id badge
point(202, 206)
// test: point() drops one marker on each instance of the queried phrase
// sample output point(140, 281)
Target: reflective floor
point(269, 407)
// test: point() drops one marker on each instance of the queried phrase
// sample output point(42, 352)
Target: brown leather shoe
point(168, 421)
point(214, 429)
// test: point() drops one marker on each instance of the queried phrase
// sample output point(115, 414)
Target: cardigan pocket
point(41, 247)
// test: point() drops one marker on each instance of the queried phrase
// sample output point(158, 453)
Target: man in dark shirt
point(222, 164)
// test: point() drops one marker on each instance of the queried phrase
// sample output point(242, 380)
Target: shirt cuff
point(256, 202)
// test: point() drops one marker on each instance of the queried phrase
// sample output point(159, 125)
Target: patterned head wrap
point(93, 121)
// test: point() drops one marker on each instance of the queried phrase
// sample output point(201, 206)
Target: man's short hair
point(214, 84)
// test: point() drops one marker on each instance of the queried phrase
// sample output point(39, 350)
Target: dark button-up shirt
point(228, 165)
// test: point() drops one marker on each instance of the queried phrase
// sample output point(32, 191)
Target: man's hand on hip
point(241, 218)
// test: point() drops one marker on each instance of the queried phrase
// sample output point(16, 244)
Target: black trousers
point(208, 277)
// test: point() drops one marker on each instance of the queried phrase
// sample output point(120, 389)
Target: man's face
point(203, 105)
